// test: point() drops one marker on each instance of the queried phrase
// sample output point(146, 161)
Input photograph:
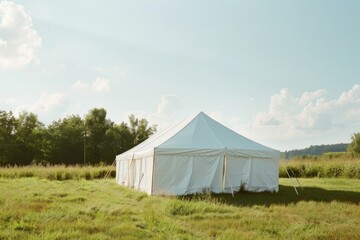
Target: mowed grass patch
point(33, 208)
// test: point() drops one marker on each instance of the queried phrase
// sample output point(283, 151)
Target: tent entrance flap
point(179, 175)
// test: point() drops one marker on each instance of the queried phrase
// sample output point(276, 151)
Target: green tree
point(118, 139)
point(28, 128)
point(65, 138)
point(25, 140)
point(96, 127)
point(7, 137)
point(28, 138)
point(354, 147)
point(42, 145)
point(140, 129)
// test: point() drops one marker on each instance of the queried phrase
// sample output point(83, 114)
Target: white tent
point(198, 155)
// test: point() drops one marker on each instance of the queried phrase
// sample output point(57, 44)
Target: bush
point(335, 170)
point(335, 155)
point(314, 170)
point(354, 147)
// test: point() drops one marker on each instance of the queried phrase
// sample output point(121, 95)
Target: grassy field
point(326, 166)
point(321, 167)
point(33, 208)
point(59, 172)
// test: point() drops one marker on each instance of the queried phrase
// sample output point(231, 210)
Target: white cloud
point(101, 85)
point(166, 111)
point(45, 103)
point(122, 74)
point(80, 84)
point(18, 38)
point(117, 71)
point(309, 116)
point(165, 114)
point(218, 116)
point(307, 97)
point(3, 43)
point(296, 113)
point(85, 95)
point(11, 101)
point(351, 96)
point(169, 105)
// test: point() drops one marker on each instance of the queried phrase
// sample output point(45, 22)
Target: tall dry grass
point(58, 172)
point(329, 165)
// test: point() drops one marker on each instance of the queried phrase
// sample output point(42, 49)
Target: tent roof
point(199, 132)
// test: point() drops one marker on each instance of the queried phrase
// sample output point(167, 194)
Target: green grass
point(322, 168)
point(59, 172)
point(33, 208)
point(328, 165)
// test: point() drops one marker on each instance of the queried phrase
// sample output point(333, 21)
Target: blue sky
point(283, 73)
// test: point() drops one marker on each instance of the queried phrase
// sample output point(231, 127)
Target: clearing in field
point(32, 208)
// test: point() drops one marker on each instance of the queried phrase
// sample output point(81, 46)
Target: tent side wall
point(186, 174)
point(135, 172)
point(203, 171)
point(264, 175)
point(251, 174)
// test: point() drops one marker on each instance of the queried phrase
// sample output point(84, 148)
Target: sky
point(283, 73)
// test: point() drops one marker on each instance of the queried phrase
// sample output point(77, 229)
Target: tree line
point(352, 149)
point(316, 150)
point(92, 139)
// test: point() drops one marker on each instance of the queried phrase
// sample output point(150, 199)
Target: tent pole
point(127, 174)
point(152, 175)
point(291, 181)
point(108, 173)
point(296, 179)
point(224, 172)
point(232, 190)
point(142, 175)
